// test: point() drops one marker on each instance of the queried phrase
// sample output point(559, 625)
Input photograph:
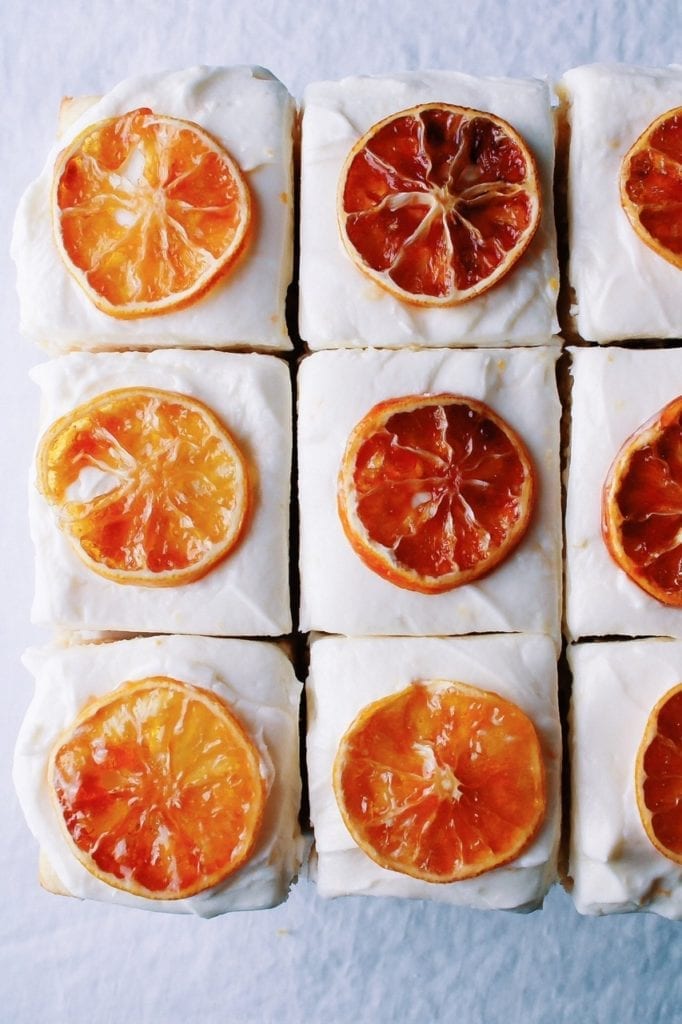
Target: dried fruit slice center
point(148, 485)
point(658, 775)
point(159, 788)
point(437, 203)
point(441, 781)
point(651, 186)
point(434, 491)
point(642, 506)
point(149, 210)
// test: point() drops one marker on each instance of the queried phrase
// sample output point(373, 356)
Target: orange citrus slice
point(148, 485)
point(148, 212)
point(434, 491)
point(651, 186)
point(438, 203)
point(159, 789)
point(442, 781)
point(642, 506)
point(658, 775)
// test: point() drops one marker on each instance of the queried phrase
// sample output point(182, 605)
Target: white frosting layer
point(339, 305)
point(613, 864)
point(339, 594)
point(623, 289)
point(614, 392)
point(346, 675)
point(250, 113)
point(245, 595)
point(258, 682)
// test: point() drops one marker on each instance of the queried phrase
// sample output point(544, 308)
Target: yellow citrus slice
point(642, 506)
point(149, 211)
point(434, 491)
point(437, 203)
point(148, 485)
point(658, 775)
point(441, 781)
point(651, 186)
point(159, 789)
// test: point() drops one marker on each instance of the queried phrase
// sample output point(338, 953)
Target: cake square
point(251, 115)
point(339, 593)
point(615, 391)
point(247, 593)
point(613, 864)
point(623, 289)
point(339, 305)
point(348, 674)
point(257, 681)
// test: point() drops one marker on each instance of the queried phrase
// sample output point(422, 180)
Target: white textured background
point(351, 961)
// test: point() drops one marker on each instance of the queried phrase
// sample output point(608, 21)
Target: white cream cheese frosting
point(347, 674)
point(252, 115)
point(613, 864)
point(257, 681)
point(339, 305)
point(247, 594)
point(339, 593)
point(615, 391)
point(623, 289)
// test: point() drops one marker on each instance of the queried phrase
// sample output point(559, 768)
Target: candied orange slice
point(658, 775)
point(437, 203)
point(149, 211)
point(441, 781)
point(642, 506)
point(148, 485)
point(651, 186)
point(159, 788)
point(434, 491)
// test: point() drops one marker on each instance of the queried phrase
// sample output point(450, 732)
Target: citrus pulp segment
point(651, 186)
point(159, 788)
point(148, 485)
point(149, 211)
point(441, 781)
point(437, 203)
point(642, 506)
point(434, 491)
point(658, 775)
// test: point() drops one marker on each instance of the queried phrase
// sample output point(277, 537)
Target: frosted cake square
point(615, 392)
point(340, 306)
point(247, 112)
point(614, 865)
point(258, 684)
point(623, 288)
point(347, 675)
point(143, 519)
point(342, 591)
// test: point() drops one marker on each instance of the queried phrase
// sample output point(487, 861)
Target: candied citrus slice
point(148, 212)
point(651, 186)
point(642, 506)
point(159, 788)
point(434, 491)
point(658, 775)
point(437, 203)
point(148, 485)
point(441, 781)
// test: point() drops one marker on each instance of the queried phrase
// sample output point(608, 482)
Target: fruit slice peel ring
point(434, 491)
point(148, 486)
point(149, 211)
point(642, 506)
point(651, 186)
point(441, 781)
point(438, 203)
point(158, 788)
point(658, 775)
